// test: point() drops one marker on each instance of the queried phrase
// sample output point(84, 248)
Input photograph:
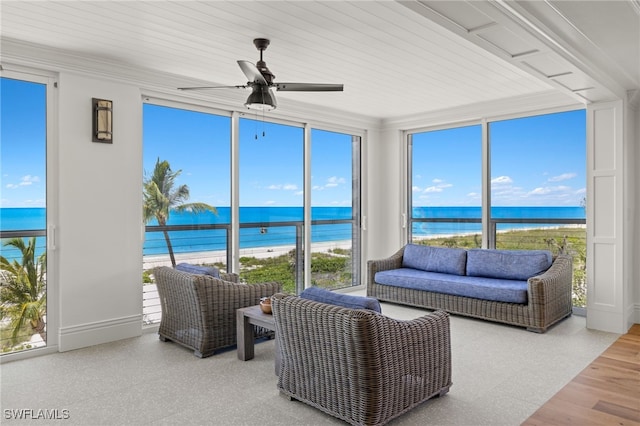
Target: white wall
point(384, 169)
point(634, 143)
point(99, 231)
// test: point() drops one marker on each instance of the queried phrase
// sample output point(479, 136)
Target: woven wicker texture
point(548, 296)
point(199, 311)
point(358, 365)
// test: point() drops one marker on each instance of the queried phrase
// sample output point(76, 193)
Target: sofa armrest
point(551, 291)
point(392, 262)
point(230, 276)
point(419, 348)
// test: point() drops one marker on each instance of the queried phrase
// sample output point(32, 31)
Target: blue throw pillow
point(198, 270)
point(507, 264)
point(435, 259)
point(340, 299)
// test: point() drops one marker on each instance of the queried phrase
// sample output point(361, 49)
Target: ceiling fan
point(260, 80)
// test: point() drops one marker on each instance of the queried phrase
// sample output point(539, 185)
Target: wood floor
point(607, 392)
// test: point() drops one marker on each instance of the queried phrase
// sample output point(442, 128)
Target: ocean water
point(437, 228)
point(267, 231)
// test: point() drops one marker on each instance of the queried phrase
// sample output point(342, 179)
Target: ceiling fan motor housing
point(260, 80)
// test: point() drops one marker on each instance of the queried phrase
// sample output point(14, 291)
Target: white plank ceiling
point(393, 59)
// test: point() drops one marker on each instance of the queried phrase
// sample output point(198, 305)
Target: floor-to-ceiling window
point(538, 187)
point(23, 214)
point(446, 186)
point(534, 189)
point(198, 149)
point(186, 192)
point(271, 188)
point(335, 209)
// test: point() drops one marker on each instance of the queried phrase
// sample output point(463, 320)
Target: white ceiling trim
point(509, 32)
point(544, 20)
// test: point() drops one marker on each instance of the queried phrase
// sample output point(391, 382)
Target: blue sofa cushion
point(507, 264)
point(435, 259)
point(345, 300)
point(199, 270)
point(500, 290)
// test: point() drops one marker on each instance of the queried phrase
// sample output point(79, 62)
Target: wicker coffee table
point(246, 318)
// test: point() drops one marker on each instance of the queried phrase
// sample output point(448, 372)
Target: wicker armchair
point(199, 311)
point(359, 365)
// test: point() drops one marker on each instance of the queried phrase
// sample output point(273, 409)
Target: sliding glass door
point(335, 209)
point(23, 215)
point(271, 188)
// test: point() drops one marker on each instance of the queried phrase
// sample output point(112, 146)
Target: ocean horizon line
point(260, 236)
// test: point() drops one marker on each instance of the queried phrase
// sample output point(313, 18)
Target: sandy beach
point(199, 258)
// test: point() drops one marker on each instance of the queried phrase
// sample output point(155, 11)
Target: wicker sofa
point(534, 300)
point(357, 364)
point(199, 311)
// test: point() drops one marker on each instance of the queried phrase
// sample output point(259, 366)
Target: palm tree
point(23, 294)
point(160, 197)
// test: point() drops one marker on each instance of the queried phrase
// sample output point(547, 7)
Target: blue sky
point(271, 158)
point(22, 144)
point(536, 161)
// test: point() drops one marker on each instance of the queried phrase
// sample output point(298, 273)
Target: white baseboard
point(636, 313)
point(83, 335)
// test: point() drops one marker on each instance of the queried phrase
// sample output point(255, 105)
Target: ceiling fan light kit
point(261, 81)
point(261, 99)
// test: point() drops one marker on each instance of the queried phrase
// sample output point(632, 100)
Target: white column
point(605, 218)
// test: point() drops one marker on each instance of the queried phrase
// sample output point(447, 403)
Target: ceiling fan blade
point(309, 87)
point(252, 72)
point(212, 87)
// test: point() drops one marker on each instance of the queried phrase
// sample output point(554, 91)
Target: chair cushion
point(198, 270)
point(340, 299)
point(507, 264)
point(435, 259)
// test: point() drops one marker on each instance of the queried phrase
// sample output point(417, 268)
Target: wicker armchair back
point(359, 365)
point(199, 311)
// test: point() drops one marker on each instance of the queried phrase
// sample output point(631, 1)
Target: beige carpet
point(501, 375)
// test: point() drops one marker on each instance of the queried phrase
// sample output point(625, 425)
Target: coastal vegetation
point(333, 268)
point(23, 295)
point(330, 269)
point(160, 197)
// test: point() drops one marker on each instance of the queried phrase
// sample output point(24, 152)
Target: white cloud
point(501, 180)
point(285, 187)
point(26, 180)
point(550, 190)
point(564, 176)
point(540, 191)
point(438, 187)
point(334, 181)
point(433, 189)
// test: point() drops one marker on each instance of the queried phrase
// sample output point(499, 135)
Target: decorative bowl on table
point(265, 305)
